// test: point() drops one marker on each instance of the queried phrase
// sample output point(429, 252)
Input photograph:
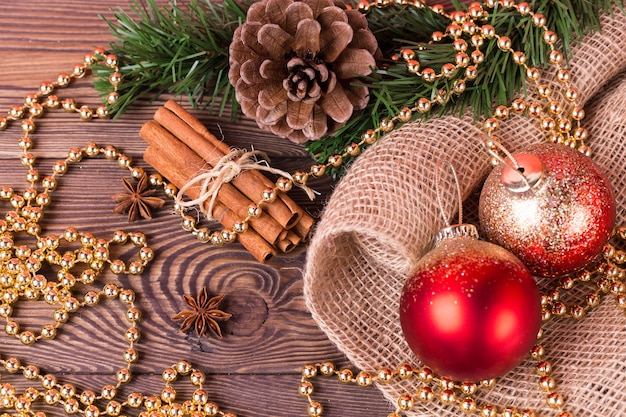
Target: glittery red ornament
point(471, 311)
point(555, 216)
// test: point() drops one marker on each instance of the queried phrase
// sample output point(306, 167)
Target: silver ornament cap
point(524, 175)
point(456, 231)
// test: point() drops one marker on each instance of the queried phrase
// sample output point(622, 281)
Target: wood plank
point(255, 370)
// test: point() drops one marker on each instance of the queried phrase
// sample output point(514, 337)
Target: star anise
point(204, 315)
point(137, 201)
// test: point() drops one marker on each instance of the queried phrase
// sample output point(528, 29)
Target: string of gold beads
point(35, 104)
point(70, 400)
point(605, 276)
point(199, 402)
point(28, 210)
point(561, 125)
point(20, 277)
point(20, 264)
point(432, 388)
point(227, 235)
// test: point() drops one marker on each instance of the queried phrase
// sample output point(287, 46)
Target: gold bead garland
point(21, 280)
point(254, 210)
point(562, 127)
point(433, 388)
point(70, 400)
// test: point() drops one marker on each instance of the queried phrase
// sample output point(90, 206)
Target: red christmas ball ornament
point(471, 310)
point(551, 206)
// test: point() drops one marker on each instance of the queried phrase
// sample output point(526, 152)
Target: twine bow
point(227, 169)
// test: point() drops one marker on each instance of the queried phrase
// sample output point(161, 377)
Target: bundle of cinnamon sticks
point(180, 147)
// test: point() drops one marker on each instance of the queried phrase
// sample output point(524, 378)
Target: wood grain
point(255, 370)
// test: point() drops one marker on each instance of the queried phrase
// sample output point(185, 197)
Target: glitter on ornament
point(561, 222)
point(471, 311)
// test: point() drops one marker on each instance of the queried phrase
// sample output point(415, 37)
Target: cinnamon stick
point(182, 146)
point(179, 153)
point(304, 226)
point(289, 242)
point(179, 174)
point(251, 183)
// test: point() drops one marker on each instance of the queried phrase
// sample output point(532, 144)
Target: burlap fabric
point(383, 215)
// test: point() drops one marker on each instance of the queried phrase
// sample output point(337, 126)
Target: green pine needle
point(183, 50)
point(499, 79)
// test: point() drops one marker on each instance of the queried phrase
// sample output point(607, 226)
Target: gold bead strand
point(448, 393)
point(557, 129)
point(306, 388)
point(137, 266)
point(608, 274)
point(35, 109)
point(615, 267)
point(560, 127)
point(189, 223)
point(35, 104)
point(166, 405)
point(66, 396)
point(98, 56)
point(138, 239)
point(445, 390)
point(544, 371)
point(254, 210)
point(448, 70)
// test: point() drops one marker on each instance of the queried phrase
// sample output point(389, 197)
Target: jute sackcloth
point(383, 215)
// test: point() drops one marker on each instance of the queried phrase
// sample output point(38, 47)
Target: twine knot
point(227, 169)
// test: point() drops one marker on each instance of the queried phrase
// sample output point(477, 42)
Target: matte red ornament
point(555, 211)
point(471, 311)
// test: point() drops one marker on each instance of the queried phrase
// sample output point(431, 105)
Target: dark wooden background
point(255, 370)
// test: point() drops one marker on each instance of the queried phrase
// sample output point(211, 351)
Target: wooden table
point(255, 369)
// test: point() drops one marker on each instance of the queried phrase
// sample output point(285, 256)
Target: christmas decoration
point(395, 204)
point(293, 65)
point(209, 28)
point(556, 211)
point(203, 316)
point(470, 310)
point(365, 251)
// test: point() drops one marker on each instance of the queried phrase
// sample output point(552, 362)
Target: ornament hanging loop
point(521, 173)
point(459, 229)
point(438, 192)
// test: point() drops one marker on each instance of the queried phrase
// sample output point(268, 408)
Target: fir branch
point(499, 79)
point(175, 49)
point(393, 23)
point(184, 50)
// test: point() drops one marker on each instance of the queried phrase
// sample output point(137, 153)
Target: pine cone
point(292, 64)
